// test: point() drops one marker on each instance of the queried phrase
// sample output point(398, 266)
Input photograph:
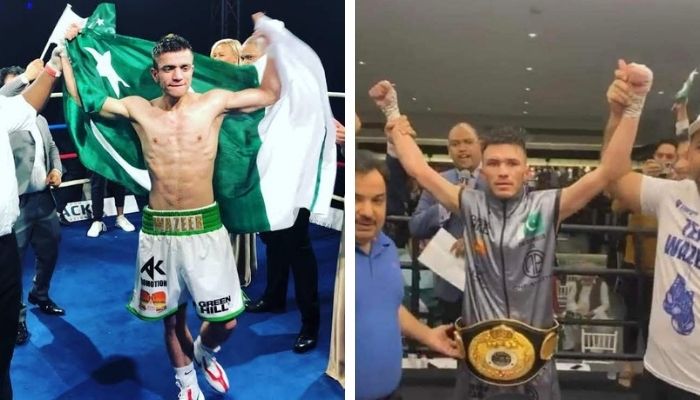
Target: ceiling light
point(527, 89)
point(528, 68)
point(430, 109)
point(361, 62)
point(532, 35)
point(525, 112)
point(414, 99)
point(661, 92)
point(526, 102)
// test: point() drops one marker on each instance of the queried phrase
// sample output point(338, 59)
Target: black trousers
point(292, 247)
point(10, 289)
point(38, 225)
point(637, 309)
point(98, 183)
point(653, 388)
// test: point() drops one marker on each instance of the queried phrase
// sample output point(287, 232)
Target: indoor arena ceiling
point(468, 60)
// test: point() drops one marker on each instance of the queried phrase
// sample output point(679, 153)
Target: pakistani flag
point(270, 162)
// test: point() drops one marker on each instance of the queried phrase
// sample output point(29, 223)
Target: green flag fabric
point(247, 177)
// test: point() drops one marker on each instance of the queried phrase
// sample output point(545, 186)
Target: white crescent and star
point(528, 227)
point(105, 69)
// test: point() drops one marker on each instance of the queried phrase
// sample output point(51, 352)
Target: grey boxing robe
point(509, 263)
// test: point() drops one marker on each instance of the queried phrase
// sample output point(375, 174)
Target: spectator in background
point(37, 167)
point(98, 184)
point(587, 297)
point(16, 113)
point(252, 49)
point(430, 216)
point(226, 50)
point(380, 317)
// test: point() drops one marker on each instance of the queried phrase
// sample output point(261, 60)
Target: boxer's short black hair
point(504, 135)
point(168, 44)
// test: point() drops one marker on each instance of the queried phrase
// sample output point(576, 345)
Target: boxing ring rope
point(416, 268)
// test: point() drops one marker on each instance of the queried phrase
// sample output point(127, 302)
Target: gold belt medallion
point(505, 352)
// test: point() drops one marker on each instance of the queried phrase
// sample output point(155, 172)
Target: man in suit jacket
point(464, 149)
point(37, 166)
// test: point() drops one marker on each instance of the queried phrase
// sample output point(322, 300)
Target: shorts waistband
point(181, 222)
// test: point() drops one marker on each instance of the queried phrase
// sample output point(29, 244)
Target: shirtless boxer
point(184, 250)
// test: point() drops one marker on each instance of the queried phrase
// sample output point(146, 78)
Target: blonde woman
point(227, 50)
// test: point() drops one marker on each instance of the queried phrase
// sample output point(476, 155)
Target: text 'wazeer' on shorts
point(185, 254)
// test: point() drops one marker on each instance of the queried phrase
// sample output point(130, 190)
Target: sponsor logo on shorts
point(178, 223)
point(151, 267)
point(153, 284)
point(157, 299)
point(214, 306)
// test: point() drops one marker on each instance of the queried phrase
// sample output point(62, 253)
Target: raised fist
point(639, 77)
point(618, 96)
point(383, 94)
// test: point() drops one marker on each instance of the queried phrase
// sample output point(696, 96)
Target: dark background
point(26, 25)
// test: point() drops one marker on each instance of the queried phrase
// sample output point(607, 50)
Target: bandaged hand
point(385, 97)
point(639, 80)
point(54, 65)
point(618, 93)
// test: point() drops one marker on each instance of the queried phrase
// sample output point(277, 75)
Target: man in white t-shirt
point(16, 113)
point(672, 358)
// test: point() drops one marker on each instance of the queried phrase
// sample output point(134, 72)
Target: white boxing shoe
point(191, 392)
point(96, 228)
point(124, 223)
point(213, 371)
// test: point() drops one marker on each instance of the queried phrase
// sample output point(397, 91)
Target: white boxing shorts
point(182, 255)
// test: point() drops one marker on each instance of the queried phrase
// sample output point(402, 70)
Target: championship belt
point(505, 352)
